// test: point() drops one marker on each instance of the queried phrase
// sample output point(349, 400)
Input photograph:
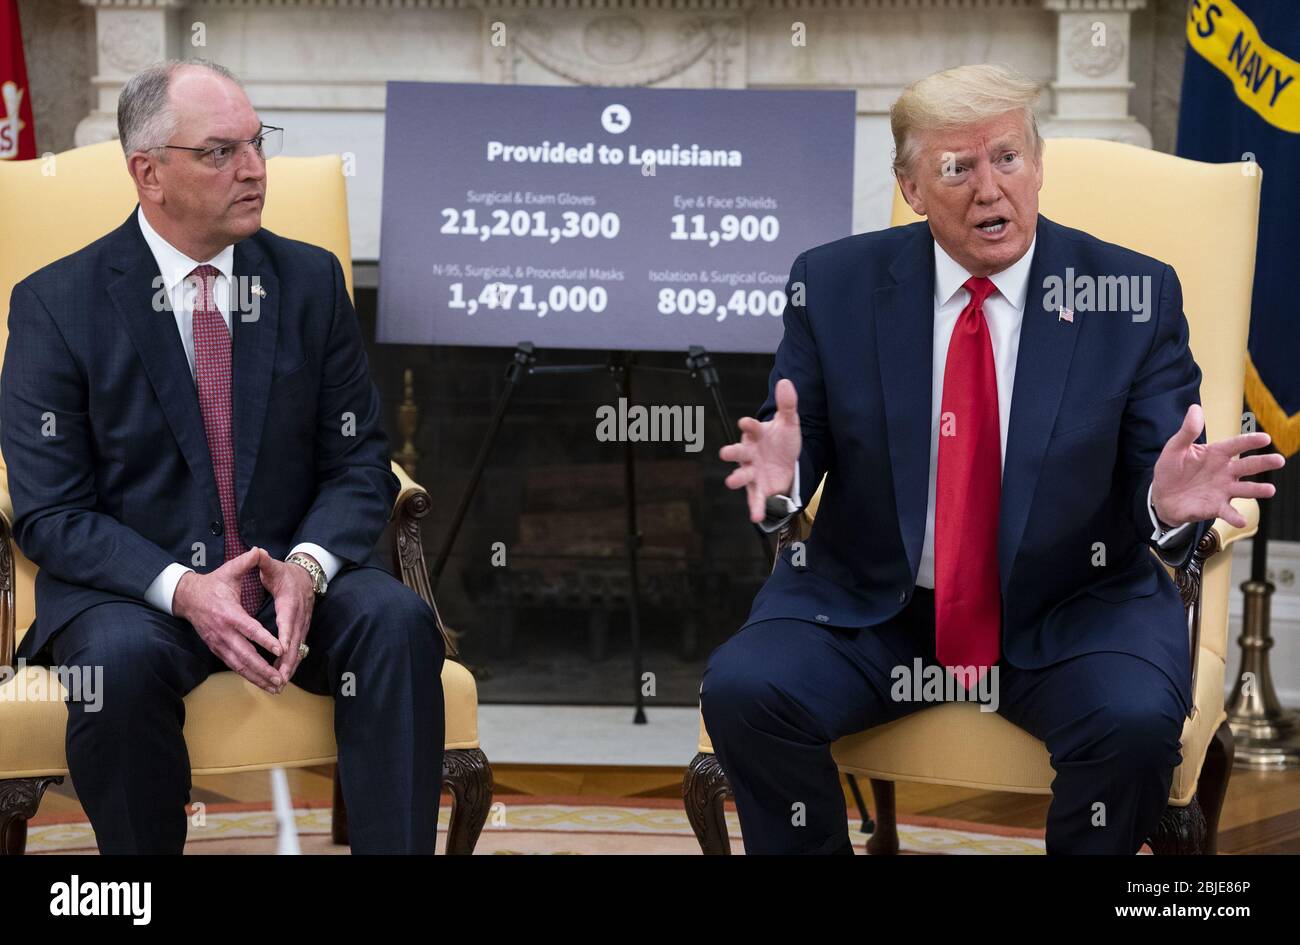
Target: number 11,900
point(747, 228)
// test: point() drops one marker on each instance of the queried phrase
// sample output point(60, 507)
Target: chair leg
point(1182, 831)
point(1212, 786)
point(339, 823)
point(884, 842)
point(704, 793)
point(1194, 830)
point(468, 776)
point(19, 800)
point(866, 824)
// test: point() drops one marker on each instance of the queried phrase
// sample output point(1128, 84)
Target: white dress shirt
point(1003, 312)
point(174, 266)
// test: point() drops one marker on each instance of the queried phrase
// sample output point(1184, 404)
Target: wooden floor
point(1261, 814)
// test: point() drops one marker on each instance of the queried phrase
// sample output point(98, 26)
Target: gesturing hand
point(295, 598)
point(1197, 481)
point(767, 452)
point(210, 602)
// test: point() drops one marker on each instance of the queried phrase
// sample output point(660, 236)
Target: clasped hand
point(210, 602)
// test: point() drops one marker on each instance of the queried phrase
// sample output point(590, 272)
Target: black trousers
point(374, 646)
point(777, 693)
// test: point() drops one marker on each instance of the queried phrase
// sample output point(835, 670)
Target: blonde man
point(978, 440)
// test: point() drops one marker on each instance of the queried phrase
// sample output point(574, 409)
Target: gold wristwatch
point(318, 582)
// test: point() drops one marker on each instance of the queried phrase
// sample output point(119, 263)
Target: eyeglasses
point(266, 144)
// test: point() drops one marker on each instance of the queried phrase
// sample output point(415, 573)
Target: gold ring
point(303, 650)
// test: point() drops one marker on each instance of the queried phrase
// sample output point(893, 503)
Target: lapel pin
point(259, 291)
point(1066, 315)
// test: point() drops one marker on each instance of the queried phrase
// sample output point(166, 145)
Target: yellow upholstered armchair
point(1201, 219)
point(53, 207)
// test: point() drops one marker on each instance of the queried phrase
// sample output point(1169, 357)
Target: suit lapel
point(256, 328)
point(135, 291)
point(904, 344)
point(1042, 363)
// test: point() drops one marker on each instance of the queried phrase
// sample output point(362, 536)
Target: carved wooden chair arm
point(1220, 536)
point(413, 503)
point(8, 615)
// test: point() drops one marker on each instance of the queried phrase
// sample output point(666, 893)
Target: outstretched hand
point(1197, 481)
point(767, 452)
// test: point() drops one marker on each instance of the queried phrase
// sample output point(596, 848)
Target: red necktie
point(212, 376)
point(967, 590)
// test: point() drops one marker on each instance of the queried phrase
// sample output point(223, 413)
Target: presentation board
point(608, 218)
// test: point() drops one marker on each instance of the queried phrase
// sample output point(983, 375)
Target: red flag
point(17, 132)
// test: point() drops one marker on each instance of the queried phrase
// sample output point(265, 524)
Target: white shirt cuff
point(159, 593)
point(329, 563)
point(1160, 535)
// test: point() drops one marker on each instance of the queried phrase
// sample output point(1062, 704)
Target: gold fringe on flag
point(1271, 418)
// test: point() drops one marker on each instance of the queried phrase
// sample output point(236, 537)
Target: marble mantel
point(319, 67)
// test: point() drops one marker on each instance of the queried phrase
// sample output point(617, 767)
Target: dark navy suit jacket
point(1093, 403)
point(109, 469)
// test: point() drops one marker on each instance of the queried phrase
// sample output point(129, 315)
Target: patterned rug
point(527, 824)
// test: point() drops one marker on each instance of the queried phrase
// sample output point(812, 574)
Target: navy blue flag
point(1241, 102)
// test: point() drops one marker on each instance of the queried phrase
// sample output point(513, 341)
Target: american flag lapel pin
point(1065, 315)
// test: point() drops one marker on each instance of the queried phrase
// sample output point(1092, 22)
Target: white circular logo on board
point(616, 119)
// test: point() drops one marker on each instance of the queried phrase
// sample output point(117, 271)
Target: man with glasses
point(197, 468)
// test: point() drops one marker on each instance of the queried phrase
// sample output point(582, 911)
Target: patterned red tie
point(212, 375)
point(967, 590)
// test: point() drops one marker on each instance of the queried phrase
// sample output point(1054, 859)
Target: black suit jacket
point(1094, 401)
point(109, 468)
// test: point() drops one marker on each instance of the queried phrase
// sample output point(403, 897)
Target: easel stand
point(620, 364)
